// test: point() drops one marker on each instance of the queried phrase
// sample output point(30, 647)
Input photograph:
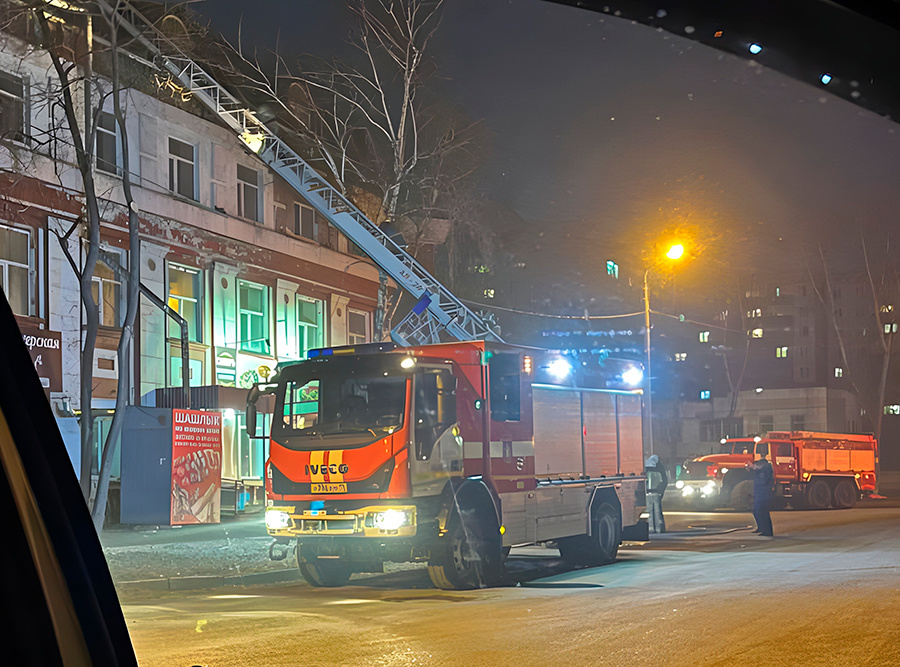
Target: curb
point(201, 582)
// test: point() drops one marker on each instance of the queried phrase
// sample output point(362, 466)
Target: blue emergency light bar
point(365, 348)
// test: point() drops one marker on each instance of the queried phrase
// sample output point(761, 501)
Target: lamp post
point(674, 252)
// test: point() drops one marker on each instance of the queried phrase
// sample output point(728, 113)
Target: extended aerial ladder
point(437, 309)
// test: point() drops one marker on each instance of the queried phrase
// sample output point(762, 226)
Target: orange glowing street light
point(676, 251)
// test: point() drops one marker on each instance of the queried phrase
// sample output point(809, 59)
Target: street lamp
point(675, 252)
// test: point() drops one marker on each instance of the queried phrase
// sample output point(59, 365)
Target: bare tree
point(369, 125)
point(70, 73)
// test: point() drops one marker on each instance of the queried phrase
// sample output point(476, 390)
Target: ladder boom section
point(437, 309)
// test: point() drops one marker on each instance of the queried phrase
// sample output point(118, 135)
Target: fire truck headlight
point(687, 491)
point(277, 519)
point(391, 519)
point(709, 488)
point(679, 484)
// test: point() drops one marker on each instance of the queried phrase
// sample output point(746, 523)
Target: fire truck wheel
point(818, 495)
point(329, 572)
point(598, 549)
point(844, 495)
point(607, 534)
point(469, 556)
point(742, 496)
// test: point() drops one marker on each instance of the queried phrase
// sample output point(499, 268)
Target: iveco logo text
point(331, 468)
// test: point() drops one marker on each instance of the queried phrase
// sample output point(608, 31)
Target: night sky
point(604, 131)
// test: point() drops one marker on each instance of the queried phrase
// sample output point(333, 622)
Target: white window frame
point(303, 328)
point(7, 263)
point(20, 134)
point(354, 338)
point(178, 302)
point(247, 344)
point(101, 131)
point(243, 188)
point(298, 221)
point(175, 162)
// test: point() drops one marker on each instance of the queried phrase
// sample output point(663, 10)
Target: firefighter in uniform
point(657, 480)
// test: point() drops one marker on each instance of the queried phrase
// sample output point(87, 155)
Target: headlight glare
point(277, 519)
point(391, 519)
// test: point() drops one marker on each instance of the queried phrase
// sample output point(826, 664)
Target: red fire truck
point(450, 454)
point(812, 470)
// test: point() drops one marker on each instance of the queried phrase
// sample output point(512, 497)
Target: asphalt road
point(824, 591)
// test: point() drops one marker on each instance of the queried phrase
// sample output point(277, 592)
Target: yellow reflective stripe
point(335, 458)
point(316, 461)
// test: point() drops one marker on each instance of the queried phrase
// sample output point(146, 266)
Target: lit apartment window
point(12, 107)
point(253, 313)
point(248, 193)
point(704, 395)
point(107, 152)
point(181, 168)
point(489, 293)
point(838, 372)
point(781, 352)
point(357, 327)
point(757, 333)
point(305, 223)
point(107, 294)
point(890, 328)
point(15, 268)
point(612, 269)
point(185, 298)
point(704, 336)
point(310, 325)
point(680, 356)
point(887, 308)
point(892, 409)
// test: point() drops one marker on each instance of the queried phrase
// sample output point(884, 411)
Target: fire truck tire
point(601, 547)
point(742, 496)
point(468, 556)
point(324, 573)
point(844, 495)
point(818, 495)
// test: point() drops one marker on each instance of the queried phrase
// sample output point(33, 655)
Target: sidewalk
point(233, 552)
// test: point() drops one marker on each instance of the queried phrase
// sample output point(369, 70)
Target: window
point(181, 168)
point(505, 387)
point(612, 269)
point(310, 325)
point(305, 222)
point(804, 373)
point(756, 312)
point(489, 293)
point(766, 423)
point(253, 311)
point(107, 152)
point(15, 269)
point(357, 327)
point(805, 331)
point(838, 372)
point(781, 352)
point(107, 293)
point(777, 291)
point(704, 336)
point(887, 309)
point(797, 422)
point(680, 356)
point(892, 409)
point(248, 193)
point(756, 333)
point(713, 430)
point(435, 406)
point(890, 328)
point(704, 395)
point(185, 298)
point(12, 107)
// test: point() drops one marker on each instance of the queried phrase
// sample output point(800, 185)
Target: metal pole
point(649, 401)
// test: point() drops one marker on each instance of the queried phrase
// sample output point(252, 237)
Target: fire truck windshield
point(355, 399)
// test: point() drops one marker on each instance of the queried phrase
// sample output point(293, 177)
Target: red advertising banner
point(196, 466)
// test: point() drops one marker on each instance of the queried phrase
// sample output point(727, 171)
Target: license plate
point(329, 488)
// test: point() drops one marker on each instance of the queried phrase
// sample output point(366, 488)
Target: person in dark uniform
point(763, 491)
point(657, 480)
